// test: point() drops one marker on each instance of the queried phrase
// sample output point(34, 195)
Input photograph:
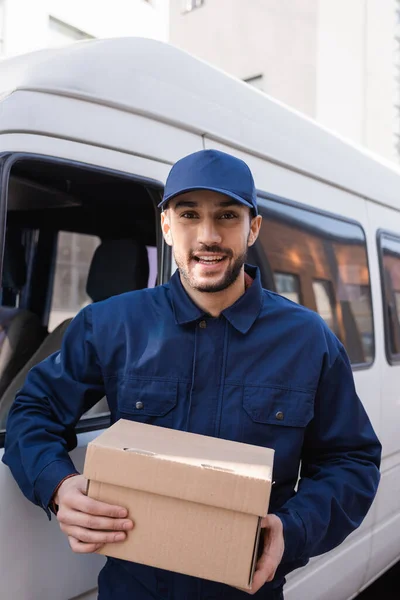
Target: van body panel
point(86, 154)
point(169, 85)
point(37, 558)
point(94, 124)
point(314, 582)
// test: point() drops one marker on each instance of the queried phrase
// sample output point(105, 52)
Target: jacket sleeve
point(40, 428)
point(339, 473)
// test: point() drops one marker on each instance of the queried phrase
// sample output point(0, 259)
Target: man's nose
point(208, 233)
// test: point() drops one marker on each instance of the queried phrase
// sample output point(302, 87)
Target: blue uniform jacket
point(266, 372)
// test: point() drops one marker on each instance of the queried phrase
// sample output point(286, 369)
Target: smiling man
point(210, 236)
point(210, 352)
point(210, 268)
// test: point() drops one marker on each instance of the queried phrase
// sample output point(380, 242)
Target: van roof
point(157, 80)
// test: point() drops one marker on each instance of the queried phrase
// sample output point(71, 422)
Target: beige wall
point(355, 71)
point(330, 59)
point(275, 38)
point(380, 85)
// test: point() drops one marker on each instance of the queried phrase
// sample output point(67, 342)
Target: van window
point(320, 261)
point(75, 235)
point(389, 246)
point(21, 330)
point(325, 302)
point(287, 285)
point(74, 255)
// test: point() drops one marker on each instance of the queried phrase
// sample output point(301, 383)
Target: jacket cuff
point(48, 480)
point(294, 535)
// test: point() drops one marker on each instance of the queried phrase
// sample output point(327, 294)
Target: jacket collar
point(241, 315)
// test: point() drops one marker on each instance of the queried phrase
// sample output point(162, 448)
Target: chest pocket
point(278, 406)
point(148, 401)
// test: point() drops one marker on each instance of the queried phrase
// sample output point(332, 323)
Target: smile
point(209, 260)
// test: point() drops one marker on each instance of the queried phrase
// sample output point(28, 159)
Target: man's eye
point(188, 215)
point(228, 216)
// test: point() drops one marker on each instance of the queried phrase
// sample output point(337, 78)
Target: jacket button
point(279, 415)
point(203, 324)
point(139, 405)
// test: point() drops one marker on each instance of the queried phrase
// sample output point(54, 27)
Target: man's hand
point(274, 546)
point(88, 523)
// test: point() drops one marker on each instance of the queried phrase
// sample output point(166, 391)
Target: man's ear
point(166, 227)
point(254, 230)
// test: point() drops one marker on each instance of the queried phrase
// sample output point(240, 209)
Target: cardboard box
point(196, 501)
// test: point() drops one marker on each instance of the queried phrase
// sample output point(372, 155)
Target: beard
point(230, 276)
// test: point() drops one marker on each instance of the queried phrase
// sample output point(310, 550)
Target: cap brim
point(211, 189)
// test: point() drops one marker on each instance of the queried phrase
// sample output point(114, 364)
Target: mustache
point(213, 249)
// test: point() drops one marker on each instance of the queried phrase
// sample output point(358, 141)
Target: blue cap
point(215, 171)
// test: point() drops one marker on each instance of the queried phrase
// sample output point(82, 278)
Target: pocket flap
point(147, 397)
point(278, 406)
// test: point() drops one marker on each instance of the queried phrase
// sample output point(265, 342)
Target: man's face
point(210, 234)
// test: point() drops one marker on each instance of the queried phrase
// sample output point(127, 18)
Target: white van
point(88, 134)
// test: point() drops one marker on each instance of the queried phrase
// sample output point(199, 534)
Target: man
point(213, 353)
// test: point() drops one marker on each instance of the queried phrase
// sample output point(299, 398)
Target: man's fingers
point(267, 565)
point(95, 507)
point(88, 523)
point(272, 552)
point(72, 517)
point(265, 571)
point(81, 547)
point(80, 483)
point(259, 579)
point(88, 536)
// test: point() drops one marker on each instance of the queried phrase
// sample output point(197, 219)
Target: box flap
point(182, 465)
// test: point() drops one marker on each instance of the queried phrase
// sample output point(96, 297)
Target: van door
point(54, 215)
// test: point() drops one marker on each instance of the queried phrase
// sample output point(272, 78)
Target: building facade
point(337, 62)
point(27, 25)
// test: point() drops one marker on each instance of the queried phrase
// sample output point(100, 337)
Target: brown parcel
point(196, 500)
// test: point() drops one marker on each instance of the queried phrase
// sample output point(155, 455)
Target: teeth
point(208, 259)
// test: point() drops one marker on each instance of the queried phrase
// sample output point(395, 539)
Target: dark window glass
point(390, 265)
point(56, 215)
point(322, 262)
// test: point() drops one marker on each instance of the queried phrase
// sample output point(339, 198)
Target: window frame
point(59, 26)
point(392, 359)
point(194, 4)
point(154, 187)
point(253, 80)
point(325, 213)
